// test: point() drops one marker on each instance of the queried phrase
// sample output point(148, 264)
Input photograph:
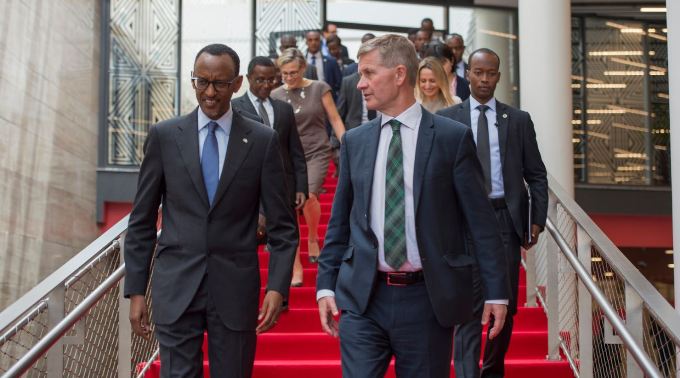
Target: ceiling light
point(596, 259)
point(609, 274)
point(672, 266)
point(616, 53)
point(653, 9)
point(498, 34)
point(669, 252)
point(663, 95)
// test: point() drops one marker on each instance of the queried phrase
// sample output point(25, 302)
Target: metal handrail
point(657, 305)
point(29, 300)
point(37, 351)
point(636, 350)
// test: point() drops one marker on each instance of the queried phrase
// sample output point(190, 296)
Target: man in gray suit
point(509, 155)
point(394, 259)
point(210, 169)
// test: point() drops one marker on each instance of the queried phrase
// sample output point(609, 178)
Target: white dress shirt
point(460, 68)
point(318, 65)
point(268, 107)
point(410, 123)
point(221, 133)
point(497, 190)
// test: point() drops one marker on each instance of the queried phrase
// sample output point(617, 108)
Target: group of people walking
point(429, 216)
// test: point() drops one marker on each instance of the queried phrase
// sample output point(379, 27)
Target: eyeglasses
point(260, 81)
point(290, 74)
point(220, 85)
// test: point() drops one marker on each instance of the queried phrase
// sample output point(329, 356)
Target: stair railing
point(604, 316)
point(75, 322)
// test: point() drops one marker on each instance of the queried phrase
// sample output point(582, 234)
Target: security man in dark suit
point(510, 159)
point(394, 259)
point(211, 170)
point(327, 68)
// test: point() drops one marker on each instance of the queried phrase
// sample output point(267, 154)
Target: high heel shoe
point(313, 250)
point(296, 284)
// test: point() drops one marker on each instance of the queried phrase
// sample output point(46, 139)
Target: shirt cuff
point(492, 301)
point(324, 293)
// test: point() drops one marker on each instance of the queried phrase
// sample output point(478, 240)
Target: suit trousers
point(231, 353)
point(468, 336)
point(399, 322)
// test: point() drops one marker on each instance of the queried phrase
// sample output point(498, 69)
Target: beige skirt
point(317, 168)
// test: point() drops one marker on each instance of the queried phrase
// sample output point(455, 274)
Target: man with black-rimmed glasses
point(210, 169)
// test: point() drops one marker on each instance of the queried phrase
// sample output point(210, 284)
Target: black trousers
point(468, 336)
point(398, 322)
point(231, 353)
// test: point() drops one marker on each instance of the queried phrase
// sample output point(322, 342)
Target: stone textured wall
point(49, 75)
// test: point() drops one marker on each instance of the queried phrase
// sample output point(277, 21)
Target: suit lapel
point(246, 104)
point(423, 149)
point(357, 93)
point(237, 150)
point(187, 142)
point(276, 125)
point(465, 116)
point(370, 152)
point(503, 122)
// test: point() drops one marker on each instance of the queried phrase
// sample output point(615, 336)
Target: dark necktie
point(263, 113)
point(395, 208)
point(483, 149)
point(210, 162)
point(314, 60)
point(371, 114)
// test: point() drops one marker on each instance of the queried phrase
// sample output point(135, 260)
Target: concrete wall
point(49, 69)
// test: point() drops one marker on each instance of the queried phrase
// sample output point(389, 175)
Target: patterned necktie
point(313, 63)
point(210, 162)
point(263, 113)
point(395, 209)
point(483, 149)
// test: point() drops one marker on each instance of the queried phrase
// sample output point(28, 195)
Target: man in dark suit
point(327, 68)
point(334, 44)
point(330, 30)
point(211, 170)
point(278, 115)
point(509, 155)
point(394, 259)
point(457, 44)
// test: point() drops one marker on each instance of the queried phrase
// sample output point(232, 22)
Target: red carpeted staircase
point(298, 348)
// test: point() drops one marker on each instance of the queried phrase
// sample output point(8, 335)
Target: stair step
point(296, 346)
point(330, 368)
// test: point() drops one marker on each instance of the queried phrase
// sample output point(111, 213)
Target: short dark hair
point(484, 50)
point(260, 61)
point(455, 35)
point(427, 19)
point(438, 50)
point(218, 49)
point(317, 31)
point(413, 31)
point(333, 39)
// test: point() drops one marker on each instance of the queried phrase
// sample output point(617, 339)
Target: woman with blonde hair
point(432, 87)
point(313, 105)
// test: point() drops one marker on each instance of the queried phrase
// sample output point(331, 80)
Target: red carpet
point(298, 348)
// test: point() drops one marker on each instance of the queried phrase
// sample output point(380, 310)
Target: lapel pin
point(505, 115)
point(245, 140)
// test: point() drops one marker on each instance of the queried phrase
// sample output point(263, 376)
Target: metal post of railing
point(530, 267)
point(552, 288)
point(55, 314)
point(634, 324)
point(585, 307)
point(124, 328)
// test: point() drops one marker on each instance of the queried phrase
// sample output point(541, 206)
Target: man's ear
point(237, 84)
point(400, 72)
